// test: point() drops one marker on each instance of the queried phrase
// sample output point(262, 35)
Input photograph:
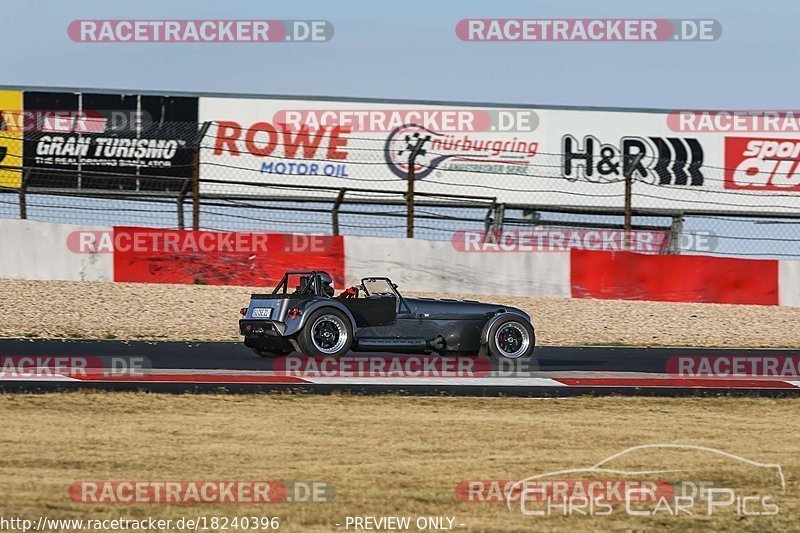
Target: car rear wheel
point(327, 332)
point(511, 337)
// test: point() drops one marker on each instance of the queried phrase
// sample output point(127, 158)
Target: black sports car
point(303, 314)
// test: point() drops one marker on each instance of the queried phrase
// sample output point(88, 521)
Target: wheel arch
point(296, 326)
point(498, 316)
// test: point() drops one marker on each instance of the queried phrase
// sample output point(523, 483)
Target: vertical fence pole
point(628, 173)
point(675, 231)
point(335, 211)
point(626, 236)
point(412, 159)
point(499, 218)
point(196, 177)
point(410, 201)
point(181, 198)
point(196, 194)
point(23, 189)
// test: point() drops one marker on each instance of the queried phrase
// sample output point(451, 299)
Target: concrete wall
point(45, 251)
point(435, 266)
point(789, 283)
point(40, 251)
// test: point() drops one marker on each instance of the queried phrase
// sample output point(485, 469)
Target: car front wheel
point(511, 337)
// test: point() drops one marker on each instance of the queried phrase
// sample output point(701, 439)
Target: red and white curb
point(540, 379)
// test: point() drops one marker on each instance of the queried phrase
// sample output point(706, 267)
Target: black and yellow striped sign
point(10, 138)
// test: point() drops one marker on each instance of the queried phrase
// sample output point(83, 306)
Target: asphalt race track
point(38, 365)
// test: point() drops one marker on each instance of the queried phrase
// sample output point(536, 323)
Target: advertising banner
point(519, 156)
point(10, 138)
point(685, 165)
point(346, 144)
point(149, 138)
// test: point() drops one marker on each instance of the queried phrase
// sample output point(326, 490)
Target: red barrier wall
point(673, 278)
point(219, 258)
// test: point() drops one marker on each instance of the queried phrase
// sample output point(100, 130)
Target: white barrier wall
point(789, 283)
point(39, 251)
point(46, 251)
point(435, 266)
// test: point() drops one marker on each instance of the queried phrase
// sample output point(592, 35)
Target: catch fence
point(265, 183)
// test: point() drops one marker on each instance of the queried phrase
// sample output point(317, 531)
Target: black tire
point(326, 333)
point(512, 338)
point(269, 353)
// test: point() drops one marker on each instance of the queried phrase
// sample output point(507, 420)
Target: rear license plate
point(262, 312)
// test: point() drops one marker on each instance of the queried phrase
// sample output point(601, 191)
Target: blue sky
point(409, 50)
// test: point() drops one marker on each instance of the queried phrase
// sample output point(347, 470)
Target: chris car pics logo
point(651, 480)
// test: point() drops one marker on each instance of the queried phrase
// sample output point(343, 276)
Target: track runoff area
point(48, 365)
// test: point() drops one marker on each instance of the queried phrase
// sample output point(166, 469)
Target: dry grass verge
point(384, 455)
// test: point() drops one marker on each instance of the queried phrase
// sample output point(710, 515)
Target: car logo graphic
point(602, 468)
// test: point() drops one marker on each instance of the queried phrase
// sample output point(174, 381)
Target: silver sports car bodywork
point(303, 314)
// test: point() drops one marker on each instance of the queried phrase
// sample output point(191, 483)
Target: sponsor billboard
point(762, 164)
point(334, 144)
point(520, 156)
point(147, 137)
point(10, 138)
point(679, 170)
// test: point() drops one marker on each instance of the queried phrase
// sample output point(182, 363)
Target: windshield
point(378, 286)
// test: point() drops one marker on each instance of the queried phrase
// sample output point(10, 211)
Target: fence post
point(335, 211)
point(181, 198)
point(628, 173)
point(493, 222)
point(23, 189)
point(500, 217)
point(196, 177)
point(675, 231)
point(412, 158)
